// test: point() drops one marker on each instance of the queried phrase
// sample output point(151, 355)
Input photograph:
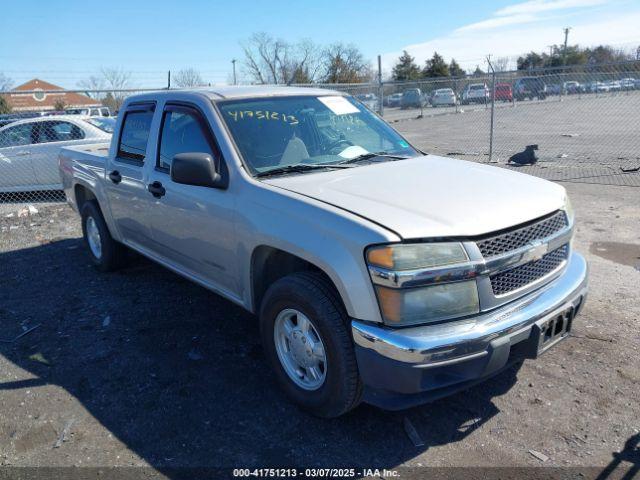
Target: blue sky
point(65, 41)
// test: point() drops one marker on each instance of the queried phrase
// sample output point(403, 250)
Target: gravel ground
point(144, 368)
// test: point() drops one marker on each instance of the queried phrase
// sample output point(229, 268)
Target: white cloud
point(499, 22)
point(518, 29)
point(538, 6)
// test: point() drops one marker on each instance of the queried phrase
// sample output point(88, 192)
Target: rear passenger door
point(193, 226)
point(125, 176)
point(50, 137)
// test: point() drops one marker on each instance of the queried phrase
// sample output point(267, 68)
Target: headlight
point(428, 304)
point(421, 304)
point(414, 256)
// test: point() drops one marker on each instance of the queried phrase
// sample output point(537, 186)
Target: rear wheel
point(305, 334)
point(105, 253)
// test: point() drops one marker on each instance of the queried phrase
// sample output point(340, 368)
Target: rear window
point(135, 134)
point(476, 87)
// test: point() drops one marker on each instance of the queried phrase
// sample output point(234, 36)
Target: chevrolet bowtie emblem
point(537, 251)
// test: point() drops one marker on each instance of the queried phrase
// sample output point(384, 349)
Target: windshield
point(276, 132)
point(105, 124)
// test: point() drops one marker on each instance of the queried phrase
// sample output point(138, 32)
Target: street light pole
point(235, 81)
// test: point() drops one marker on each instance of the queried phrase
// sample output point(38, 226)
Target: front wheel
point(106, 254)
point(305, 334)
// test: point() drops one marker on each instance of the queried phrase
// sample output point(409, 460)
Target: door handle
point(156, 189)
point(115, 177)
point(23, 153)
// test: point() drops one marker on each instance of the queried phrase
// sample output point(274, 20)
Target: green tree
point(455, 70)
point(478, 72)
point(532, 60)
point(435, 67)
point(59, 105)
point(4, 105)
point(406, 68)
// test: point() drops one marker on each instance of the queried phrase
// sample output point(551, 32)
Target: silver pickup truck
point(378, 272)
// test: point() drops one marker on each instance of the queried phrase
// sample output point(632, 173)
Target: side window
point(135, 134)
point(182, 132)
point(16, 136)
point(56, 131)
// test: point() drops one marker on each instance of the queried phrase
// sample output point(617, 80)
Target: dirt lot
point(142, 367)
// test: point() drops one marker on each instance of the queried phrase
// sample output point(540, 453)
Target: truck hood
point(431, 196)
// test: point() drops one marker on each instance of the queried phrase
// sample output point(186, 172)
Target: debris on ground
point(38, 357)
point(630, 170)
point(562, 155)
point(467, 154)
point(540, 456)
point(28, 330)
point(64, 434)
point(107, 321)
point(570, 135)
point(412, 433)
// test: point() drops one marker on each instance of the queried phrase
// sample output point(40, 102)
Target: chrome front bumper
point(432, 357)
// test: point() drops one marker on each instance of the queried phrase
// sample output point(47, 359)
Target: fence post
point(493, 103)
point(380, 89)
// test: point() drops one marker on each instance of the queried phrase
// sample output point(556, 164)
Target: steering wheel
point(338, 143)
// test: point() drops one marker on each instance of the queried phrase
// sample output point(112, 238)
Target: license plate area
point(554, 328)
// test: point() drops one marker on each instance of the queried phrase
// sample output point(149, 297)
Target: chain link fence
point(584, 122)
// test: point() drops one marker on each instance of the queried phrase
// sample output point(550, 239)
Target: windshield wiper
point(367, 156)
point(298, 167)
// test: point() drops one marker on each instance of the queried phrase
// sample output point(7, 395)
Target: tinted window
point(135, 134)
point(182, 132)
point(46, 132)
point(15, 136)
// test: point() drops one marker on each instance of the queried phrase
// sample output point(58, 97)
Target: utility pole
point(168, 79)
point(550, 50)
point(566, 38)
point(380, 88)
point(235, 80)
point(638, 54)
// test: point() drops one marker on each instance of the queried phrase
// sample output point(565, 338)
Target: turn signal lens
point(414, 256)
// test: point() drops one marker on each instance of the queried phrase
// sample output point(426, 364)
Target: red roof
point(45, 101)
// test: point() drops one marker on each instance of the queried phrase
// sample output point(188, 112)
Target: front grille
point(518, 277)
point(514, 239)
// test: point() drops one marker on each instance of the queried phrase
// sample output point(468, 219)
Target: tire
point(110, 255)
point(314, 297)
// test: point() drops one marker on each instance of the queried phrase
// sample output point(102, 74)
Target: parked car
point(571, 87)
point(393, 100)
point(7, 118)
point(530, 87)
point(443, 97)
point(628, 83)
point(89, 112)
point(29, 150)
point(614, 85)
point(504, 92)
point(598, 87)
point(377, 273)
point(476, 93)
point(412, 98)
point(106, 124)
point(369, 100)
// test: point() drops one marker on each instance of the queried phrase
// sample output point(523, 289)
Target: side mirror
point(197, 169)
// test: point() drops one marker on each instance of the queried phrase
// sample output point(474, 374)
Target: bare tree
point(188, 77)
point(116, 79)
point(345, 64)
point(92, 83)
point(5, 82)
point(275, 61)
point(501, 64)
